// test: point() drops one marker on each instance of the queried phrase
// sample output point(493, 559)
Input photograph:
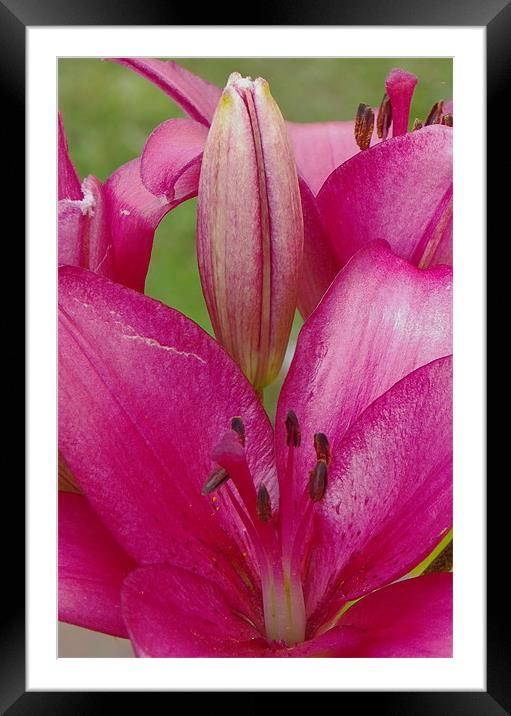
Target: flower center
point(279, 538)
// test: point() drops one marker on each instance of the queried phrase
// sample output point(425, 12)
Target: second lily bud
point(250, 229)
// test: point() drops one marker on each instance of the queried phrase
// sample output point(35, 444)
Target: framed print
point(262, 448)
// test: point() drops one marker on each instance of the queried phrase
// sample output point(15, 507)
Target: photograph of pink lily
point(269, 475)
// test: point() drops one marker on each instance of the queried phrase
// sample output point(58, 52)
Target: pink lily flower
point(250, 229)
point(257, 560)
point(398, 189)
point(108, 228)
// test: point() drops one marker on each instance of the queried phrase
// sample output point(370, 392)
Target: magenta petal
point(172, 157)
point(92, 568)
point(389, 497)
point(134, 215)
point(320, 263)
point(410, 619)
point(68, 179)
point(97, 243)
point(394, 191)
point(441, 252)
point(71, 226)
point(320, 147)
point(171, 612)
point(380, 319)
point(194, 95)
point(400, 86)
point(145, 395)
point(84, 231)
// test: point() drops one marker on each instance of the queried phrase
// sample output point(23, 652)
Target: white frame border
point(467, 670)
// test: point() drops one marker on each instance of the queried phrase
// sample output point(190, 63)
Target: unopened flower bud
point(250, 228)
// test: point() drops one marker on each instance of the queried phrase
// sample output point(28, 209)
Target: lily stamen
point(322, 448)
point(384, 119)
point(263, 504)
point(280, 541)
point(238, 427)
point(318, 481)
point(293, 429)
point(215, 480)
point(364, 125)
point(435, 114)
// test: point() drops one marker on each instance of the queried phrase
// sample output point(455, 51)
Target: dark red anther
point(217, 478)
point(447, 120)
point(238, 427)
point(435, 114)
point(293, 429)
point(318, 481)
point(384, 119)
point(417, 125)
point(263, 505)
point(364, 125)
point(322, 448)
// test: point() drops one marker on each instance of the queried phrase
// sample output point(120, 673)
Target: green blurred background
point(108, 113)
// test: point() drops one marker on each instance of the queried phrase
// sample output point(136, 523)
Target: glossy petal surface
point(320, 263)
point(410, 619)
point(380, 320)
point(396, 191)
point(172, 157)
point(144, 396)
point(171, 612)
point(92, 568)
point(134, 214)
point(388, 501)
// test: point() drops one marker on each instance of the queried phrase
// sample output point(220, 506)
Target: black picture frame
point(15, 16)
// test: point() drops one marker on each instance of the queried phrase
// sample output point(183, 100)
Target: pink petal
point(380, 319)
point(134, 215)
point(320, 263)
point(410, 619)
point(172, 157)
point(92, 568)
point(145, 395)
point(171, 612)
point(389, 497)
point(436, 245)
point(84, 232)
point(68, 179)
point(194, 95)
point(400, 86)
point(394, 191)
point(98, 242)
point(71, 226)
point(320, 147)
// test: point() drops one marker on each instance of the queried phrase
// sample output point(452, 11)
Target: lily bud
point(250, 228)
